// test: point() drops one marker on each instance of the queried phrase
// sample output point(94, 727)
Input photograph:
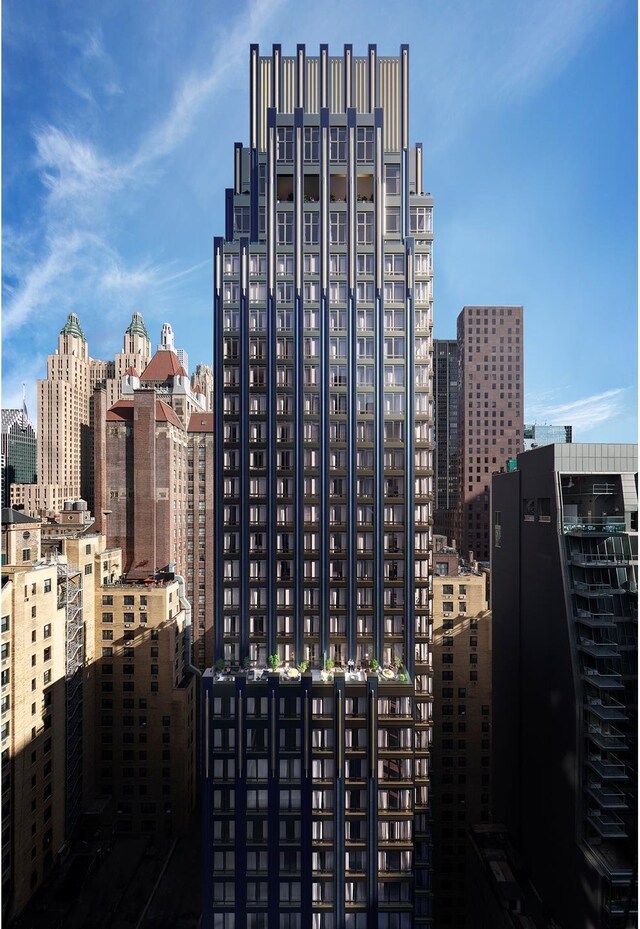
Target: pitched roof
point(122, 411)
point(10, 515)
point(132, 371)
point(163, 365)
point(200, 422)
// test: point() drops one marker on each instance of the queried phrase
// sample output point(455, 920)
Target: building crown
point(137, 326)
point(73, 327)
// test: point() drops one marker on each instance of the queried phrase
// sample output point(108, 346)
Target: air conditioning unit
point(447, 613)
point(462, 596)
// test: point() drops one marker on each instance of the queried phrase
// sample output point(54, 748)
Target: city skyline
point(102, 220)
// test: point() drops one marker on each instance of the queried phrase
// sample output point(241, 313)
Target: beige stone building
point(145, 705)
point(65, 415)
point(461, 725)
point(32, 679)
point(81, 657)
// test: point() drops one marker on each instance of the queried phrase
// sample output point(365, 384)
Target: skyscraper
point(18, 449)
point(490, 412)
point(445, 394)
point(65, 415)
point(316, 783)
point(565, 681)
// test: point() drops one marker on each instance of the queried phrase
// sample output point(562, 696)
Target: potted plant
point(274, 661)
point(375, 664)
point(302, 667)
point(246, 663)
point(403, 677)
point(219, 665)
point(397, 663)
point(329, 664)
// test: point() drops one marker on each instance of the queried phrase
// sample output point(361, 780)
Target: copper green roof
point(73, 327)
point(137, 326)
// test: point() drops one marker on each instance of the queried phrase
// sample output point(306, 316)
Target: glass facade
point(542, 434)
point(323, 456)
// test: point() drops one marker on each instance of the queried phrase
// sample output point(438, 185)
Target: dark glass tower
point(445, 353)
point(316, 778)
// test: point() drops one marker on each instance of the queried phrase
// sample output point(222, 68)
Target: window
point(338, 227)
point(421, 219)
point(311, 143)
point(47, 630)
point(284, 143)
point(311, 227)
point(392, 219)
point(365, 227)
point(338, 143)
point(47, 586)
point(364, 143)
point(88, 569)
point(392, 179)
point(284, 224)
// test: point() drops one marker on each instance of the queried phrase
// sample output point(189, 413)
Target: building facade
point(323, 424)
point(18, 450)
point(564, 602)
point(445, 459)
point(490, 412)
point(65, 415)
point(536, 434)
point(461, 765)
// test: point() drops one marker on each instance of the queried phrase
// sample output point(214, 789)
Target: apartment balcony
point(607, 798)
point(595, 620)
point(610, 739)
point(599, 559)
point(598, 649)
point(603, 679)
point(596, 590)
point(592, 525)
point(610, 769)
point(607, 825)
point(611, 711)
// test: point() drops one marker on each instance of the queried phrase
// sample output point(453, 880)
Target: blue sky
point(119, 120)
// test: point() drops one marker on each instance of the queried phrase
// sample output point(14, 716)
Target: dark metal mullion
point(218, 456)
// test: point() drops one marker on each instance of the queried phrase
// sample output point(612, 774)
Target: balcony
point(611, 711)
point(607, 825)
point(598, 649)
point(603, 679)
point(598, 559)
point(596, 590)
point(610, 769)
point(595, 620)
point(607, 798)
point(603, 525)
point(607, 739)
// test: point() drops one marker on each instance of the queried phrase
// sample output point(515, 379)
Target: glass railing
point(594, 524)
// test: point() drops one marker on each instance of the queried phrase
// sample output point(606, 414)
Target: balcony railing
point(607, 739)
point(612, 710)
point(596, 559)
point(608, 825)
point(608, 798)
point(610, 768)
point(602, 524)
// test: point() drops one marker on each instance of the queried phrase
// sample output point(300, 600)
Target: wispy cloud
point(583, 414)
point(487, 54)
point(72, 169)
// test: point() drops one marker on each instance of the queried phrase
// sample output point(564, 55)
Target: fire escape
point(70, 598)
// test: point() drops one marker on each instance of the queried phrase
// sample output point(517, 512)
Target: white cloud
point(583, 414)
